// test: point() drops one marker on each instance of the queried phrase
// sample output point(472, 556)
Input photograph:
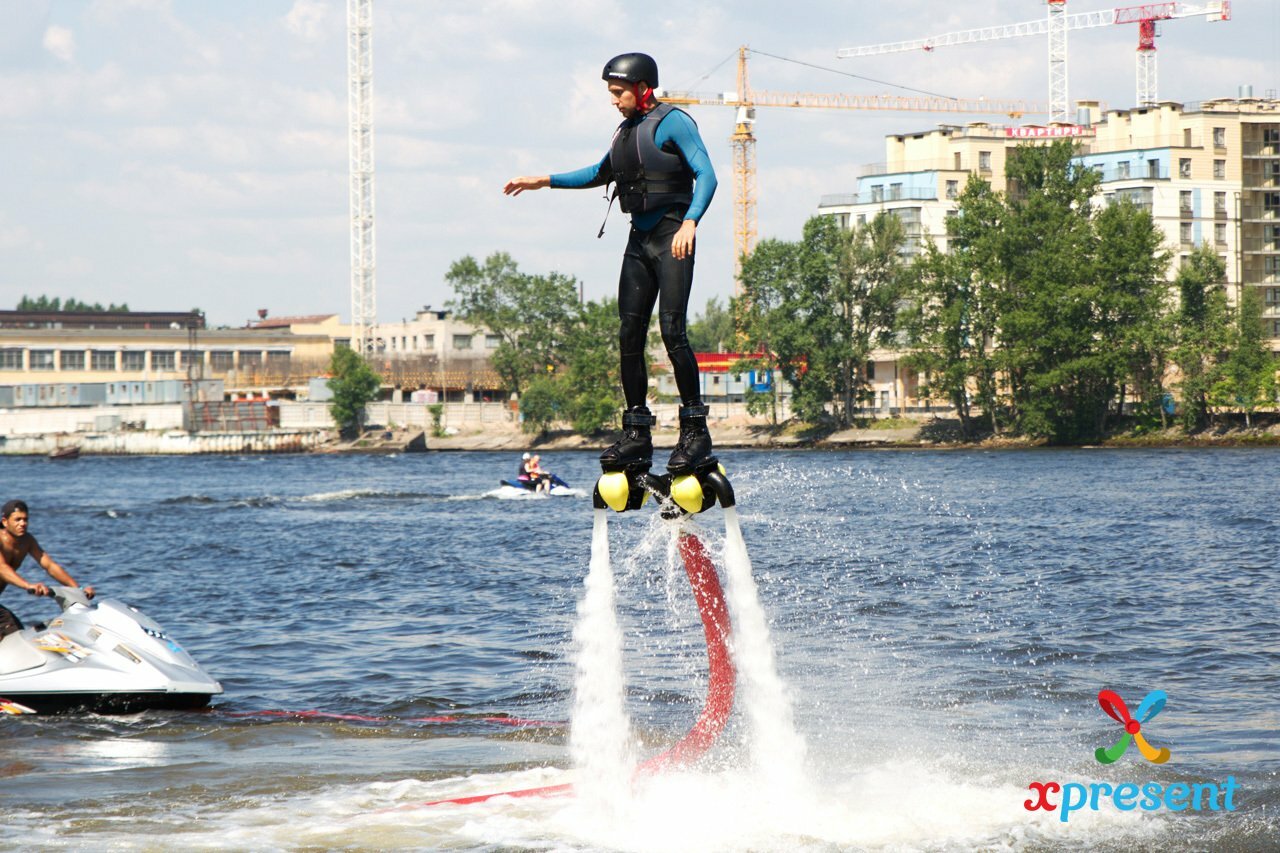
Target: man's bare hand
point(88, 591)
point(682, 243)
point(38, 589)
point(515, 186)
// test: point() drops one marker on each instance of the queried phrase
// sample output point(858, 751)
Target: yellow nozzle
point(614, 489)
point(686, 491)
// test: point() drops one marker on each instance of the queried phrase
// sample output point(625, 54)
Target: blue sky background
point(183, 153)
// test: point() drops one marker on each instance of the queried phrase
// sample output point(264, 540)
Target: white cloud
point(60, 42)
point(311, 20)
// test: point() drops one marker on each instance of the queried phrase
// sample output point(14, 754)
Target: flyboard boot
point(693, 450)
point(634, 451)
point(626, 464)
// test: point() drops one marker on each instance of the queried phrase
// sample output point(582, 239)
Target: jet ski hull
point(103, 657)
point(109, 703)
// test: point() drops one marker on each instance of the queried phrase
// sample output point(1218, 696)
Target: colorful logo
point(1116, 709)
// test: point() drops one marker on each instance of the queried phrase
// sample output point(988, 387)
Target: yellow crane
point(745, 100)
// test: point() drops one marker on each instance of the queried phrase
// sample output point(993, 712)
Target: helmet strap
point(642, 101)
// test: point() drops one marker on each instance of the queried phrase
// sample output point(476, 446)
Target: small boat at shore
point(71, 451)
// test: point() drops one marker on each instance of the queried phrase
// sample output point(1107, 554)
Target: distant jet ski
point(527, 487)
point(101, 656)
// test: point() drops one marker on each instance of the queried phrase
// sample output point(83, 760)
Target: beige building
point(1208, 172)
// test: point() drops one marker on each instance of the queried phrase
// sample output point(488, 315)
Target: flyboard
point(677, 497)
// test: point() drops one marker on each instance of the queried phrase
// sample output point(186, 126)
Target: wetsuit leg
point(637, 293)
point(675, 280)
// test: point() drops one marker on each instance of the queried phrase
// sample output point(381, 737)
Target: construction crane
point(1055, 25)
point(745, 100)
point(364, 299)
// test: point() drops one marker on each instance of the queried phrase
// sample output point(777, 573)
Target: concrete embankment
point(163, 443)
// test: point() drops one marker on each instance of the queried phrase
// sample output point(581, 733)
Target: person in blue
point(663, 178)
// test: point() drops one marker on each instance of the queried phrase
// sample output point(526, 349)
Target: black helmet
point(632, 68)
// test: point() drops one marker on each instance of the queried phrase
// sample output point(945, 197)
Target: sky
point(178, 154)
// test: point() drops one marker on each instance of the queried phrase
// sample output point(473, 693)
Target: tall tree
point(1202, 333)
point(1133, 309)
point(868, 288)
point(1248, 377)
point(354, 384)
point(530, 313)
point(820, 305)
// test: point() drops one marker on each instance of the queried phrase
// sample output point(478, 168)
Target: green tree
point(590, 375)
point(818, 307)
point(1133, 311)
point(530, 313)
point(868, 288)
point(1202, 333)
point(45, 303)
point(1248, 376)
point(789, 316)
point(714, 330)
point(354, 384)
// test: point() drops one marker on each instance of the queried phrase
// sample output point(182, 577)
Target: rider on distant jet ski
point(15, 544)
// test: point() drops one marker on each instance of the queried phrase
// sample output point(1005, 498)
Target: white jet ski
point(102, 656)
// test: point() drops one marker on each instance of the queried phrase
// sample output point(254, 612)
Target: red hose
point(720, 684)
point(709, 595)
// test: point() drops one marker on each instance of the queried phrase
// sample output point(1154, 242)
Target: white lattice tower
point(1059, 103)
point(1147, 68)
point(364, 297)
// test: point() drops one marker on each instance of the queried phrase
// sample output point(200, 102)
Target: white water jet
point(777, 749)
point(600, 729)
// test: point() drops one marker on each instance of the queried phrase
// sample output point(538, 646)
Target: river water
point(941, 622)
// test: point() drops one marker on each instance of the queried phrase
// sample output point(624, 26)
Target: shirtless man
point(15, 544)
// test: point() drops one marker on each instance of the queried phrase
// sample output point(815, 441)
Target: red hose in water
point(720, 685)
point(709, 595)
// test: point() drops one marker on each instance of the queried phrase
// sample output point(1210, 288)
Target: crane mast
point(364, 300)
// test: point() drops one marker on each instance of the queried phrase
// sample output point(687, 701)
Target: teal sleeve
point(588, 176)
point(679, 128)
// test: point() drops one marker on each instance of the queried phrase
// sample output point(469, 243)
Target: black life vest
point(648, 177)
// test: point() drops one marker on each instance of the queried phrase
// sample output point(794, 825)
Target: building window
point(1220, 169)
point(1219, 202)
point(428, 341)
point(492, 341)
point(103, 360)
point(251, 359)
point(1153, 168)
point(72, 359)
point(871, 370)
point(279, 361)
point(10, 359)
point(1184, 167)
point(164, 360)
point(1186, 137)
point(1184, 201)
point(344, 343)
point(1122, 169)
point(877, 192)
point(984, 161)
point(953, 189)
point(1219, 137)
point(221, 359)
point(955, 158)
point(1271, 264)
point(862, 219)
point(462, 342)
point(1271, 203)
point(1271, 295)
point(1270, 136)
point(895, 192)
point(132, 360)
point(1219, 232)
point(41, 359)
point(1184, 232)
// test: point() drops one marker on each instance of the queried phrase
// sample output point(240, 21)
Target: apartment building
point(1208, 172)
